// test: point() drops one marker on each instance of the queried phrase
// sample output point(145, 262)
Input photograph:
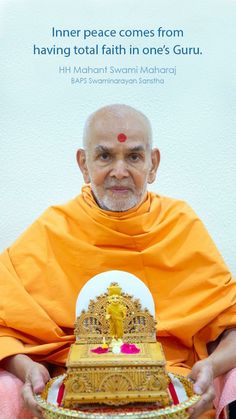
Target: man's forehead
point(112, 145)
point(118, 134)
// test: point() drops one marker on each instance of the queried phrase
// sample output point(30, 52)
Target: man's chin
point(117, 206)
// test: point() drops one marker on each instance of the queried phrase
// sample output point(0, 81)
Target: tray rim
point(69, 413)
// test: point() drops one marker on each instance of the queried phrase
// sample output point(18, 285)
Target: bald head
point(118, 121)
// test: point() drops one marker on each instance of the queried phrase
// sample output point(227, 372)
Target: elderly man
point(116, 224)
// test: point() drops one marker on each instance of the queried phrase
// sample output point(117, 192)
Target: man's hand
point(202, 375)
point(36, 377)
point(33, 375)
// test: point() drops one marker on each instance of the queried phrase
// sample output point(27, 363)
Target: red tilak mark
point(121, 137)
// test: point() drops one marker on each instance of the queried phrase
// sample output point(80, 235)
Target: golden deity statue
point(115, 313)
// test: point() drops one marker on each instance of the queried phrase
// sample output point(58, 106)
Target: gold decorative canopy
point(92, 325)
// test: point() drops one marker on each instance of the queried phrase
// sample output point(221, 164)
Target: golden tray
point(135, 411)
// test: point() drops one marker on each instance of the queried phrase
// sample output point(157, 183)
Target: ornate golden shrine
point(114, 377)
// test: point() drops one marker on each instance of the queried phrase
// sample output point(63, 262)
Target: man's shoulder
point(175, 206)
point(68, 210)
point(55, 219)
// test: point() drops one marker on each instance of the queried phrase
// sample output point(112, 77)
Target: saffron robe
point(161, 241)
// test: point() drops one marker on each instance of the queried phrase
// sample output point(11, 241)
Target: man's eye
point(104, 156)
point(134, 157)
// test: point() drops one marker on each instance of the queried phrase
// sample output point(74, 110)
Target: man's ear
point(81, 160)
point(155, 160)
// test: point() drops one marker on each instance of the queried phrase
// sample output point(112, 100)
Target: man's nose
point(119, 169)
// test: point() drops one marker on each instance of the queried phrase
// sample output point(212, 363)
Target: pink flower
point(129, 348)
point(99, 350)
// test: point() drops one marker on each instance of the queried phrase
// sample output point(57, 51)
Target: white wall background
point(193, 113)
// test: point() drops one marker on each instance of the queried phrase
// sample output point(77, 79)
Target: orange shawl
point(161, 241)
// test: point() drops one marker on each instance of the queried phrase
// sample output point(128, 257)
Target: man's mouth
point(119, 189)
